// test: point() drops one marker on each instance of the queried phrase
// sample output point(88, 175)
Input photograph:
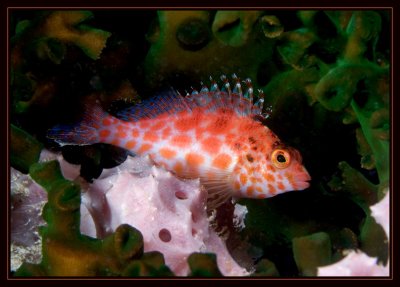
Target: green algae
point(265, 268)
point(203, 265)
point(24, 149)
point(312, 251)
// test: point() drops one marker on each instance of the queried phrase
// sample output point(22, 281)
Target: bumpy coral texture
point(355, 264)
point(359, 263)
point(27, 201)
point(169, 212)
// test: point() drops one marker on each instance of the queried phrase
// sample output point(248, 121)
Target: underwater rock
point(170, 213)
point(29, 254)
point(27, 201)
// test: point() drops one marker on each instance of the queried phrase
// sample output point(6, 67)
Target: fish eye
point(280, 158)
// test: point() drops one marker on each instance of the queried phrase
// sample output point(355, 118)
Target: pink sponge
point(169, 212)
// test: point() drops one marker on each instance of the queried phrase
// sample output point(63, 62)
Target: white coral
point(169, 212)
point(358, 263)
point(380, 212)
point(355, 264)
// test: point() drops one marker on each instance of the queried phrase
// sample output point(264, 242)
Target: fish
point(213, 134)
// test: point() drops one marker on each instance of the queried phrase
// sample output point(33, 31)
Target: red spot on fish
point(230, 138)
point(269, 177)
point(250, 190)
point(130, 144)
point(178, 168)
point(289, 177)
point(222, 161)
point(280, 185)
point(199, 134)
point(107, 122)
point(253, 179)
point(144, 148)
point(135, 133)
point(151, 137)
point(121, 134)
point(194, 159)
point(144, 124)
point(115, 141)
point(271, 189)
point(211, 145)
point(219, 125)
point(167, 153)
point(158, 125)
point(181, 141)
point(166, 133)
point(104, 133)
point(186, 124)
point(243, 178)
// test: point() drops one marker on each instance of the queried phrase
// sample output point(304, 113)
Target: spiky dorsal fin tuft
point(206, 100)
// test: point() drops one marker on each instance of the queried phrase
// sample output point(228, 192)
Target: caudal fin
point(85, 132)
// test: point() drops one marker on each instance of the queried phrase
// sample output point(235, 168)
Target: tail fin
point(85, 132)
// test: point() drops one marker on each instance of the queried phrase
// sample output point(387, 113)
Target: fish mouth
point(300, 185)
point(302, 180)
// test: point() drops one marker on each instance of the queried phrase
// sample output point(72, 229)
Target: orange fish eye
point(280, 158)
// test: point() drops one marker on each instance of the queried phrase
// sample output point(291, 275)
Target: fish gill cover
point(324, 77)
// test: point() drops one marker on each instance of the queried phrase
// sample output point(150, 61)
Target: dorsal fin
point(208, 100)
point(168, 101)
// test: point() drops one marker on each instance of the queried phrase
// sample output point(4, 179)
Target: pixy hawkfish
point(212, 134)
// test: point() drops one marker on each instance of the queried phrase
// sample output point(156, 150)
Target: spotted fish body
point(211, 135)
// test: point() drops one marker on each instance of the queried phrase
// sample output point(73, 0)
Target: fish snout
point(302, 180)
